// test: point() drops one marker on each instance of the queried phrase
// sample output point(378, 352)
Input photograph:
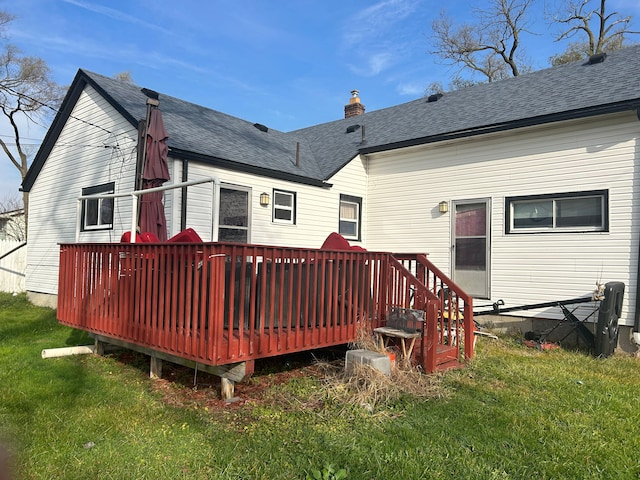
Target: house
point(12, 225)
point(524, 190)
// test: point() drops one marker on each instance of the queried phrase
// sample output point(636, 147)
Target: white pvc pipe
point(636, 338)
point(135, 199)
point(67, 351)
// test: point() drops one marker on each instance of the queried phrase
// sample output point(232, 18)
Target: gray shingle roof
point(567, 91)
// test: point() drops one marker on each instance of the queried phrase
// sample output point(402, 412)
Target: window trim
point(357, 201)
point(508, 212)
point(104, 188)
point(292, 209)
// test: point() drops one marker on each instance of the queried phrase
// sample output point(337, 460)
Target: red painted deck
point(219, 304)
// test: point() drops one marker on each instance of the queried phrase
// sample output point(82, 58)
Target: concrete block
point(379, 361)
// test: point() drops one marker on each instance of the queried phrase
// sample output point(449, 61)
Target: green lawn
point(514, 413)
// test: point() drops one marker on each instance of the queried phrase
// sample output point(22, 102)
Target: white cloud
point(374, 37)
point(370, 23)
point(115, 14)
point(373, 64)
point(410, 89)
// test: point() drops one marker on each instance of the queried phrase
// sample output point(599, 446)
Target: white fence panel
point(13, 262)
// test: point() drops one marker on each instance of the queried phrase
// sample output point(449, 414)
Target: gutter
point(509, 125)
point(247, 168)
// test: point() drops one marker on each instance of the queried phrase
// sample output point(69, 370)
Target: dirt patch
point(185, 388)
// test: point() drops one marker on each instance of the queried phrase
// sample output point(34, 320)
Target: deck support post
point(226, 388)
point(99, 347)
point(229, 374)
point(155, 370)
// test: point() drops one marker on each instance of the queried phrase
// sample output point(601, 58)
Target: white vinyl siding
point(317, 208)
point(405, 188)
point(83, 156)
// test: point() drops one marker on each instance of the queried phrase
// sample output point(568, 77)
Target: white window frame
point(281, 207)
point(105, 188)
point(552, 216)
point(351, 200)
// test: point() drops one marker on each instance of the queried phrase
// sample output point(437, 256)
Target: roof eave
point(511, 125)
point(246, 168)
point(73, 94)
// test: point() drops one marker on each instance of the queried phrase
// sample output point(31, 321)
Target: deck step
point(450, 365)
point(446, 353)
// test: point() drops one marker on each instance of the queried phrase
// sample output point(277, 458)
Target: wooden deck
point(220, 304)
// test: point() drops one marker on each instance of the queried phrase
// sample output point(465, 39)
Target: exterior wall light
point(443, 206)
point(264, 199)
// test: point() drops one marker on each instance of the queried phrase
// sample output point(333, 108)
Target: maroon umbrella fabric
point(155, 172)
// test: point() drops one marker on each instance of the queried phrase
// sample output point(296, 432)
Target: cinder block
point(379, 361)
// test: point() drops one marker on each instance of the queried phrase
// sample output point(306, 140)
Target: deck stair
point(419, 286)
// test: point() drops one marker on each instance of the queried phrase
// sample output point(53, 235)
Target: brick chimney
point(354, 107)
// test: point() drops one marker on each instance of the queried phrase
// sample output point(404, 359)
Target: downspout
point(215, 224)
point(636, 325)
point(183, 196)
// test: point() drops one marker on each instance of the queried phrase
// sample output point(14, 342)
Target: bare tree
point(124, 76)
point(12, 218)
point(604, 31)
point(27, 93)
point(491, 46)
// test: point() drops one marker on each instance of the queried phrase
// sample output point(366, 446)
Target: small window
point(284, 207)
point(350, 212)
point(566, 212)
point(97, 213)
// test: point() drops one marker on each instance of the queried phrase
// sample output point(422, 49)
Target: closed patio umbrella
point(155, 172)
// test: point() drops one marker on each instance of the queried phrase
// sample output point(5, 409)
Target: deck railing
point(223, 303)
point(219, 303)
point(455, 307)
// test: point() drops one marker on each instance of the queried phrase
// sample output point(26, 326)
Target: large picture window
point(350, 213)
point(284, 207)
point(565, 212)
point(97, 213)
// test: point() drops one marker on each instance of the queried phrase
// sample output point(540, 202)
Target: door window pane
point(471, 220)
point(234, 215)
point(471, 253)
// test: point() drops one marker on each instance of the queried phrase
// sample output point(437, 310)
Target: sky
point(287, 64)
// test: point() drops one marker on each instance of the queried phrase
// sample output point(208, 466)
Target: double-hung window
point(97, 213)
point(350, 214)
point(564, 212)
point(284, 207)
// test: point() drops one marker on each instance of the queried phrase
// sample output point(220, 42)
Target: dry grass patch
point(372, 390)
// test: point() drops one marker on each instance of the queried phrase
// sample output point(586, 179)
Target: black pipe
point(496, 310)
point(6, 254)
